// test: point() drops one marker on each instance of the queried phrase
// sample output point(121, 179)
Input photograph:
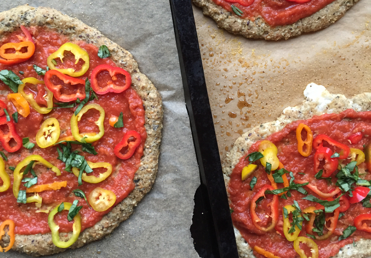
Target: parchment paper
point(252, 81)
point(160, 224)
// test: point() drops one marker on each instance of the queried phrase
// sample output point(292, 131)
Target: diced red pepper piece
point(318, 142)
point(110, 86)
point(2, 107)
point(12, 134)
point(360, 222)
point(359, 193)
point(57, 89)
point(355, 138)
point(241, 2)
point(344, 204)
point(331, 164)
point(128, 143)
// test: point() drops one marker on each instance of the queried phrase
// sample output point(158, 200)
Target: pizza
point(274, 19)
point(300, 186)
point(80, 132)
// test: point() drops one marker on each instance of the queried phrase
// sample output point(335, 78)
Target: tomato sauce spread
point(340, 128)
point(276, 12)
point(120, 182)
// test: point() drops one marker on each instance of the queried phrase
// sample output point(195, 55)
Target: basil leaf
point(285, 213)
point(236, 10)
point(254, 156)
point(39, 70)
point(29, 182)
point(22, 197)
point(87, 147)
point(65, 105)
point(61, 207)
point(103, 52)
point(268, 168)
point(10, 79)
point(330, 206)
point(87, 93)
point(319, 174)
point(302, 190)
point(81, 194)
point(284, 196)
point(347, 232)
point(120, 122)
point(20, 72)
point(28, 168)
point(311, 236)
point(296, 205)
point(341, 214)
point(363, 182)
point(27, 144)
point(12, 168)
point(277, 176)
point(335, 155)
point(350, 166)
point(73, 210)
point(15, 117)
point(3, 156)
point(366, 202)
point(7, 115)
point(230, 210)
point(253, 182)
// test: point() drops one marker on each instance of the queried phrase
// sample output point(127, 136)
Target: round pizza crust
point(318, 101)
point(75, 30)
point(259, 29)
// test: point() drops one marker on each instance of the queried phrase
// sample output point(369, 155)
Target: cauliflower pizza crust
point(260, 29)
point(317, 101)
point(41, 244)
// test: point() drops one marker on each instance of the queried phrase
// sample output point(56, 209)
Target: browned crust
point(259, 29)
point(41, 244)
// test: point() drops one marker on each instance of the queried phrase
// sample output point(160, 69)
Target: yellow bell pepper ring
point(48, 133)
point(246, 171)
point(263, 145)
point(94, 179)
point(18, 175)
point(20, 104)
point(55, 228)
point(4, 176)
point(30, 98)
point(270, 156)
point(100, 123)
point(310, 243)
point(79, 54)
point(287, 225)
point(357, 155)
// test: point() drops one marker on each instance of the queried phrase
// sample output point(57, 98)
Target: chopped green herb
point(103, 52)
point(20, 72)
point(284, 196)
point(330, 206)
point(28, 168)
point(7, 115)
point(292, 186)
point(297, 219)
point(285, 213)
point(236, 10)
point(253, 182)
point(88, 90)
point(87, 147)
point(73, 210)
point(346, 179)
point(254, 156)
point(39, 70)
point(230, 210)
point(311, 236)
point(22, 197)
point(61, 207)
point(268, 168)
point(54, 62)
point(27, 144)
point(12, 168)
point(81, 194)
point(301, 173)
point(120, 122)
point(348, 232)
point(29, 181)
point(15, 117)
point(3, 156)
point(366, 202)
point(319, 223)
point(341, 214)
point(335, 155)
point(10, 79)
point(319, 176)
point(277, 176)
point(259, 199)
point(363, 182)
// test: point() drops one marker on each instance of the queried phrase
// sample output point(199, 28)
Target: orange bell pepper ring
point(46, 187)
point(261, 251)
point(21, 50)
point(11, 225)
point(20, 103)
point(304, 146)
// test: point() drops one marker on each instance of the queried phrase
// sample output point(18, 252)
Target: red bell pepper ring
point(129, 144)
point(57, 89)
point(359, 193)
point(331, 164)
point(355, 138)
point(321, 194)
point(27, 34)
point(2, 107)
point(110, 86)
point(344, 204)
point(12, 134)
point(360, 222)
point(318, 142)
point(273, 205)
point(331, 228)
point(241, 2)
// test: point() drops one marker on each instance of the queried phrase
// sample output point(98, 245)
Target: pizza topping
point(292, 230)
point(11, 227)
point(321, 139)
point(75, 50)
point(115, 79)
point(315, 189)
point(357, 155)
point(304, 146)
point(22, 50)
point(355, 138)
point(20, 103)
point(81, 194)
point(318, 223)
point(65, 88)
point(103, 52)
point(113, 120)
point(10, 79)
point(93, 179)
point(4, 177)
point(246, 171)
point(55, 228)
point(48, 133)
point(310, 243)
point(100, 123)
point(360, 222)
point(101, 199)
point(27, 143)
point(120, 121)
point(270, 156)
point(2, 108)
point(358, 194)
point(47, 187)
point(129, 143)
point(261, 251)
point(9, 138)
point(323, 154)
point(44, 96)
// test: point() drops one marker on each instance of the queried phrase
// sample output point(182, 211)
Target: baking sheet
point(251, 81)
point(160, 224)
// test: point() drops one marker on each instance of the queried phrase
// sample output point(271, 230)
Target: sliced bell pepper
point(287, 225)
point(357, 155)
point(18, 175)
point(273, 205)
point(93, 179)
point(12, 134)
point(360, 222)
point(48, 133)
point(55, 228)
point(110, 86)
point(304, 146)
point(71, 138)
point(34, 101)
point(101, 199)
point(344, 204)
point(265, 144)
point(242, 2)
point(27, 34)
point(271, 157)
point(18, 52)
point(359, 193)
point(310, 243)
point(100, 123)
point(79, 54)
point(355, 138)
point(367, 151)
point(20, 104)
point(314, 189)
point(4, 177)
point(331, 229)
point(318, 142)
point(57, 89)
point(11, 225)
point(261, 251)
point(246, 171)
point(128, 145)
point(47, 187)
point(2, 107)
point(331, 164)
